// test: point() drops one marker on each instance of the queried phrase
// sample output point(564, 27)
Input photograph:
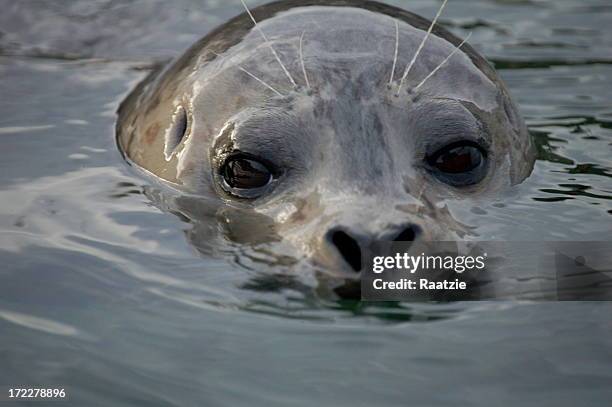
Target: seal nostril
point(408, 234)
point(348, 248)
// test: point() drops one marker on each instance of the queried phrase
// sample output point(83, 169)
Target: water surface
point(102, 293)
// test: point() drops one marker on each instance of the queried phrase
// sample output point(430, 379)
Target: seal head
point(321, 120)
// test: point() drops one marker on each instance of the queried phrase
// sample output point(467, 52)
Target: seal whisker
point(396, 52)
point(260, 81)
point(437, 68)
point(263, 35)
point(418, 51)
point(302, 59)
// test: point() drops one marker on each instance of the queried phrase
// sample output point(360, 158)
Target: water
point(102, 293)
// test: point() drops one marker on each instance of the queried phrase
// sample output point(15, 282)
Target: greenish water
point(104, 294)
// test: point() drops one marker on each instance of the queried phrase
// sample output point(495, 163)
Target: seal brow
point(263, 35)
point(437, 68)
point(302, 60)
point(418, 51)
point(254, 77)
point(260, 81)
point(396, 51)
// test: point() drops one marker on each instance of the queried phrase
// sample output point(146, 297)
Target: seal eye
point(245, 176)
point(459, 164)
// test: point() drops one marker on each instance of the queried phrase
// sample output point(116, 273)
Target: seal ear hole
point(176, 133)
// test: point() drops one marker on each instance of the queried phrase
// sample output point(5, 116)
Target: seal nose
point(353, 246)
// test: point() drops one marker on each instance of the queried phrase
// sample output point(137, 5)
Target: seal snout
point(356, 247)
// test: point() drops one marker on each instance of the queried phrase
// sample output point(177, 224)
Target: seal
point(340, 122)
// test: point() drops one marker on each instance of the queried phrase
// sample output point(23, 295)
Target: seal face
point(341, 122)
